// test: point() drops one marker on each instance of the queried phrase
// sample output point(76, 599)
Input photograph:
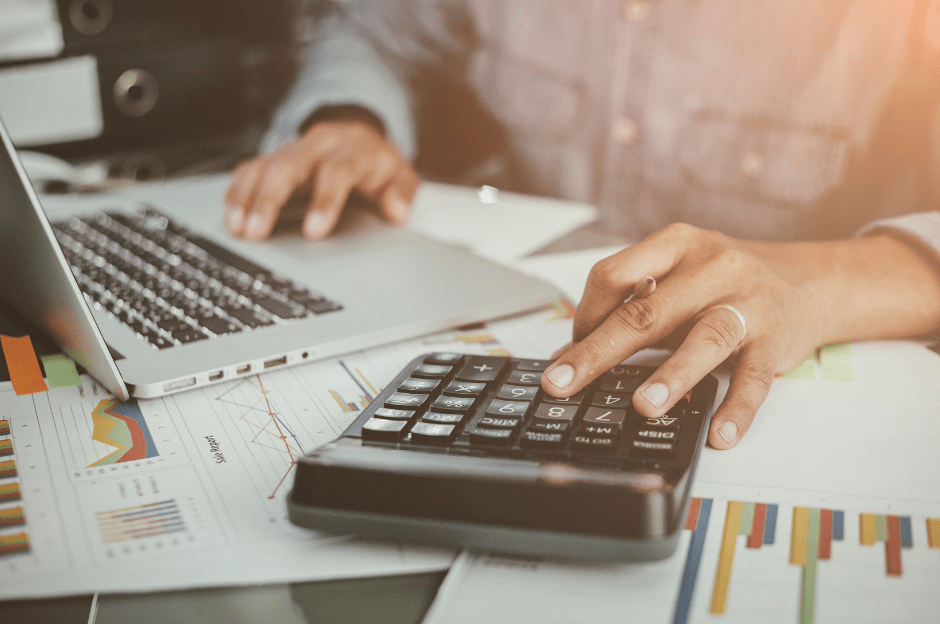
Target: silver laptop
point(155, 299)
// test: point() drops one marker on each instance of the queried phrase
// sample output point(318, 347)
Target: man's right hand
point(331, 159)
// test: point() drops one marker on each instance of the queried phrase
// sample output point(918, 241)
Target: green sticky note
point(60, 371)
point(836, 362)
point(806, 371)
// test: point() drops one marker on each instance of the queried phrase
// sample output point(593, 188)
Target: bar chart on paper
point(819, 565)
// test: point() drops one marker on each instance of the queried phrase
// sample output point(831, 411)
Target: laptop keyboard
point(174, 287)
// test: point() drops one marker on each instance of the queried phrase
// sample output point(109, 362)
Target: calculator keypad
point(495, 404)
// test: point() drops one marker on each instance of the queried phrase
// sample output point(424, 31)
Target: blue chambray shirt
point(764, 119)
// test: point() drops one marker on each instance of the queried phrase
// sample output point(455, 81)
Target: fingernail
point(314, 224)
point(561, 376)
point(254, 228)
point(399, 209)
point(729, 431)
point(234, 218)
point(656, 393)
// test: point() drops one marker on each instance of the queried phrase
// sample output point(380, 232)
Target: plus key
point(480, 368)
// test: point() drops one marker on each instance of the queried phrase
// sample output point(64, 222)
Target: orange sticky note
point(23, 364)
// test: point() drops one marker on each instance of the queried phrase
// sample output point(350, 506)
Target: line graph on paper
point(270, 438)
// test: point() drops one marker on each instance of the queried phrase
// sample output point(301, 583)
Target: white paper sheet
point(205, 505)
point(865, 446)
point(51, 102)
point(568, 271)
point(29, 29)
point(504, 227)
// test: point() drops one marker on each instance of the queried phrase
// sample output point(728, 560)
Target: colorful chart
point(6, 448)
point(265, 424)
point(12, 544)
point(894, 531)
point(369, 391)
point(8, 469)
point(4, 427)
point(122, 426)
point(756, 520)
point(9, 492)
point(812, 536)
point(12, 516)
point(697, 522)
point(561, 310)
point(141, 521)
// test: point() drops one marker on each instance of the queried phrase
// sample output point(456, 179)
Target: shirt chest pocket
point(527, 98)
point(766, 161)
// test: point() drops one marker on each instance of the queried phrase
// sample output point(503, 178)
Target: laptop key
point(280, 309)
point(190, 335)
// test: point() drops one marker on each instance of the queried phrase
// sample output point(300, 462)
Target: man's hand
point(332, 159)
point(793, 297)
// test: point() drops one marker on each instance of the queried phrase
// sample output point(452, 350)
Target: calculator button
point(651, 450)
point(601, 416)
point(405, 399)
point(381, 429)
point(541, 440)
point(394, 414)
point(611, 399)
point(464, 388)
point(453, 404)
point(432, 433)
point(446, 419)
point(586, 444)
point(431, 371)
point(574, 399)
point(533, 365)
point(600, 431)
point(446, 359)
point(413, 384)
point(549, 427)
point(479, 368)
point(524, 378)
point(507, 409)
point(555, 413)
point(619, 383)
point(499, 423)
point(666, 434)
point(491, 437)
point(521, 393)
point(660, 422)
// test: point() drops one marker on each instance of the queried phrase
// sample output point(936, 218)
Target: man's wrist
point(343, 112)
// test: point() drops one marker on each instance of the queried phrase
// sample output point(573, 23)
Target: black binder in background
point(91, 25)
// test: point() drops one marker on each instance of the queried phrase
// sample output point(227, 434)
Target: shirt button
point(636, 10)
point(752, 165)
point(625, 131)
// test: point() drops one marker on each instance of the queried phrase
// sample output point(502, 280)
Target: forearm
point(875, 287)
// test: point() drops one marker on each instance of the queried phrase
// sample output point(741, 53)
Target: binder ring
point(136, 92)
point(90, 17)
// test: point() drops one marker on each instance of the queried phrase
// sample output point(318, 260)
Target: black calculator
point(468, 451)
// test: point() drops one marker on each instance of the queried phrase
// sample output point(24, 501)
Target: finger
point(333, 183)
point(709, 343)
point(396, 198)
point(557, 354)
point(240, 193)
point(750, 383)
point(612, 279)
point(629, 327)
point(287, 170)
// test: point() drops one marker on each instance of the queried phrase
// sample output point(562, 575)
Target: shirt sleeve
point(372, 54)
point(921, 229)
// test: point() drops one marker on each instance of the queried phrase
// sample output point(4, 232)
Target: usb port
point(216, 376)
point(180, 383)
point(241, 370)
point(275, 362)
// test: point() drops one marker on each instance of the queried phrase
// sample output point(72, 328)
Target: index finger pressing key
point(633, 325)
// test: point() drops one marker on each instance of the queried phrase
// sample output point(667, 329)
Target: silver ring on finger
point(738, 314)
